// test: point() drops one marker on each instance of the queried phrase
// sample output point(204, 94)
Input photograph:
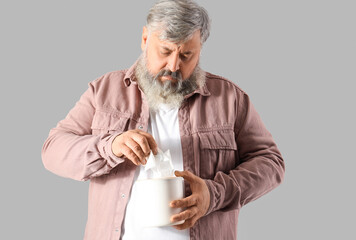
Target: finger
point(129, 154)
point(187, 224)
point(142, 141)
point(189, 213)
point(185, 202)
point(190, 177)
point(136, 149)
point(151, 142)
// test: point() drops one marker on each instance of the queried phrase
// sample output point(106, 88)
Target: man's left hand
point(196, 204)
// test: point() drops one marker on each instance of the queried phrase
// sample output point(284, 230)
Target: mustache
point(166, 72)
point(169, 87)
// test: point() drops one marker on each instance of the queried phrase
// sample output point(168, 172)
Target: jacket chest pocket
point(104, 122)
point(218, 152)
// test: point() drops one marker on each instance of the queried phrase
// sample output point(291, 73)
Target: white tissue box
point(155, 196)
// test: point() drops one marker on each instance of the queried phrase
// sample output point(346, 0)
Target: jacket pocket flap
point(224, 139)
point(109, 121)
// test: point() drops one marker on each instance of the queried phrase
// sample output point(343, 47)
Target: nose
point(173, 62)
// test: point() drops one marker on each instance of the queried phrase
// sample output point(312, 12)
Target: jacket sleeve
point(72, 151)
point(261, 167)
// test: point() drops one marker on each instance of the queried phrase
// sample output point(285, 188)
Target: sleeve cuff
point(216, 192)
point(112, 159)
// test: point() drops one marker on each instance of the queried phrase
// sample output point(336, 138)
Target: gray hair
point(177, 20)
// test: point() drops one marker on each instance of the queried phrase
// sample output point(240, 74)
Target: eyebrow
point(167, 49)
point(170, 50)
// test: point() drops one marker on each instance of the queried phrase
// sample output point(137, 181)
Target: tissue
point(160, 165)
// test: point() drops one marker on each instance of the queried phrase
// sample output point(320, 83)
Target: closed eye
point(165, 53)
point(185, 56)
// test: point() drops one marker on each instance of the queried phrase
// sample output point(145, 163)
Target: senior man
point(217, 139)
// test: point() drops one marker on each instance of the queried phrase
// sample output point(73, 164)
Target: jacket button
point(140, 127)
point(123, 195)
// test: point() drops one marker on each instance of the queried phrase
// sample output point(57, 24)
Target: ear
point(144, 38)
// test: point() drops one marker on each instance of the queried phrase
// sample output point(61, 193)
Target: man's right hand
point(135, 145)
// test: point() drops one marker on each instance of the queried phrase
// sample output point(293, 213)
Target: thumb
point(186, 175)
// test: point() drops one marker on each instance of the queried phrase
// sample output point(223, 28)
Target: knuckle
point(191, 201)
point(196, 212)
point(181, 204)
point(137, 148)
point(185, 214)
point(131, 155)
point(142, 139)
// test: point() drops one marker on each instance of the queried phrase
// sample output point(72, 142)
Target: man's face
point(164, 55)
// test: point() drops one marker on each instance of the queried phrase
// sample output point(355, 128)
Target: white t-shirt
point(164, 127)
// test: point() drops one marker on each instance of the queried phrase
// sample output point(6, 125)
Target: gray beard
point(167, 92)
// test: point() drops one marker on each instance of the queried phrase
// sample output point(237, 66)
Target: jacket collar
point(204, 91)
point(130, 76)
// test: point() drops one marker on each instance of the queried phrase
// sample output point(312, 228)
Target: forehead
point(192, 43)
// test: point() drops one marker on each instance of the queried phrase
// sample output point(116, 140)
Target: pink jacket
point(223, 140)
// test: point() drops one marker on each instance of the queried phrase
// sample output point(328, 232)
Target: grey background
point(296, 60)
